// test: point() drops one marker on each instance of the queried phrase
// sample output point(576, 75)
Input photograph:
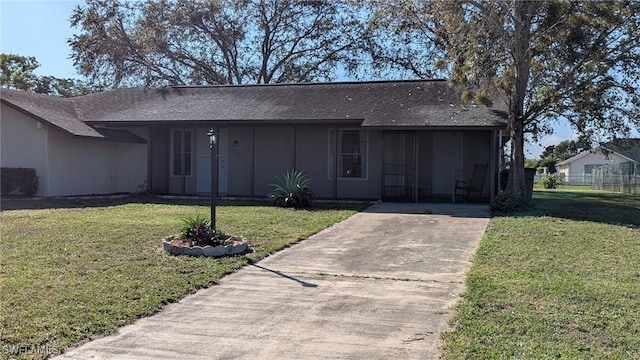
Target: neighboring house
point(389, 140)
point(578, 169)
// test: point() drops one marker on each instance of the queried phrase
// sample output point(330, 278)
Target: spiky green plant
point(292, 190)
point(199, 232)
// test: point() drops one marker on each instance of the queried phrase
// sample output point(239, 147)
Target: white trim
point(331, 155)
point(171, 131)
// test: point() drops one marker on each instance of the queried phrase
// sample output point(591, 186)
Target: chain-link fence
point(623, 178)
point(583, 179)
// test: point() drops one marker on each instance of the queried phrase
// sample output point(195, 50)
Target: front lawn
point(75, 270)
point(560, 281)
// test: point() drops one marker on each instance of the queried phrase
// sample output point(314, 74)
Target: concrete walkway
point(378, 285)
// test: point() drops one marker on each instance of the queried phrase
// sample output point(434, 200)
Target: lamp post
point(214, 176)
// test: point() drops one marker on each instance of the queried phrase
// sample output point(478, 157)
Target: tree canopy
point(17, 72)
point(168, 42)
point(543, 60)
point(566, 149)
point(553, 154)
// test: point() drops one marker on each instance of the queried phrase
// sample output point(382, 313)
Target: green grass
point(561, 281)
point(71, 272)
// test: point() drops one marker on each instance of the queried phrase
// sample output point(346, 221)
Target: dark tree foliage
point(16, 72)
point(168, 42)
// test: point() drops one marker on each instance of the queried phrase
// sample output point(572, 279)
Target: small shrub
point(549, 182)
point(22, 181)
point(503, 202)
point(292, 190)
point(199, 232)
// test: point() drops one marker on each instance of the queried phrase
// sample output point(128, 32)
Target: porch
point(344, 162)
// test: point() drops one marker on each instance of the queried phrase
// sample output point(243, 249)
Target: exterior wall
point(84, 167)
point(131, 164)
point(23, 143)
point(576, 167)
point(66, 165)
point(312, 154)
point(240, 161)
point(273, 155)
point(159, 159)
point(257, 154)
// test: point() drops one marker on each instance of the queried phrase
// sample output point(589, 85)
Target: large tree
point(545, 60)
point(167, 42)
point(17, 72)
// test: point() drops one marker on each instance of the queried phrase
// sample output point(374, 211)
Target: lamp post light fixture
point(214, 176)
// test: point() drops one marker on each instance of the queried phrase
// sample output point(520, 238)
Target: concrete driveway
point(379, 285)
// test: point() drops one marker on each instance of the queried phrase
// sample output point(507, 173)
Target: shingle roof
point(55, 111)
point(388, 104)
point(430, 103)
point(61, 114)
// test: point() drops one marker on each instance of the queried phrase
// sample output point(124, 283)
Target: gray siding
point(312, 154)
point(241, 162)
point(274, 155)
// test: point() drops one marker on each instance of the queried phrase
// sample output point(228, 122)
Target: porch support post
point(150, 144)
point(416, 161)
point(335, 164)
point(183, 177)
point(213, 196)
point(493, 164)
point(383, 167)
point(253, 162)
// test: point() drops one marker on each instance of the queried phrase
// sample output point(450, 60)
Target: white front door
point(204, 163)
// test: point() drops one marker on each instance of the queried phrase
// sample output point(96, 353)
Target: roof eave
point(208, 122)
point(44, 121)
point(592, 151)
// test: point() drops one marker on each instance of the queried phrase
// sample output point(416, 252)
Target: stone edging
point(209, 251)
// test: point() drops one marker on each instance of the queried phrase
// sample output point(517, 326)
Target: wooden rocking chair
point(472, 189)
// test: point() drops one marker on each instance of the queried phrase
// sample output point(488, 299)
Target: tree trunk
point(523, 12)
point(517, 184)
